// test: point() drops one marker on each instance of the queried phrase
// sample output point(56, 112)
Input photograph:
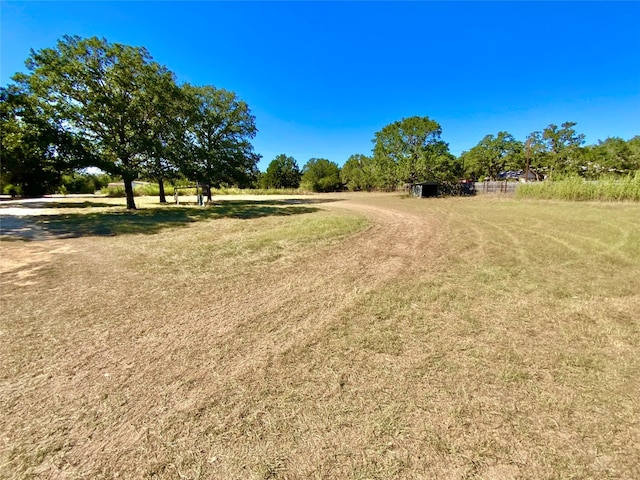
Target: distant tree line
point(550, 153)
point(411, 150)
point(91, 103)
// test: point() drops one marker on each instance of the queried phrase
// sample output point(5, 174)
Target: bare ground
point(351, 358)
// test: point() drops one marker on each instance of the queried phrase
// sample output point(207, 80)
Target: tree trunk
point(128, 190)
point(163, 199)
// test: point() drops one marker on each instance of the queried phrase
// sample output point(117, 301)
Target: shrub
point(13, 190)
point(256, 191)
point(151, 189)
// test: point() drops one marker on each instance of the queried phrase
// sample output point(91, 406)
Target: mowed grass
point(373, 336)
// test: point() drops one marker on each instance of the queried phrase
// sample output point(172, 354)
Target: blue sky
point(323, 77)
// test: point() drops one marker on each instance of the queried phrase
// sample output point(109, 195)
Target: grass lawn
point(356, 336)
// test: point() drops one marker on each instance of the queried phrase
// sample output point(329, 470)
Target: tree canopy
point(410, 150)
point(560, 148)
point(358, 173)
point(218, 128)
point(124, 113)
point(321, 175)
point(35, 153)
point(492, 155)
point(106, 95)
point(282, 172)
point(612, 156)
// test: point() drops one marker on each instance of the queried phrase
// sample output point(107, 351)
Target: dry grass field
point(347, 336)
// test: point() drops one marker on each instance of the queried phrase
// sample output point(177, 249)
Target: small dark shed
point(424, 189)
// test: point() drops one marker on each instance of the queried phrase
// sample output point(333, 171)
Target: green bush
point(149, 190)
point(257, 191)
point(113, 191)
point(13, 190)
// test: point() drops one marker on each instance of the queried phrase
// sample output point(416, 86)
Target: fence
point(496, 187)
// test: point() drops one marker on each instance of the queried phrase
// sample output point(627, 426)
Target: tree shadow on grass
point(143, 221)
point(59, 205)
point(293, 201)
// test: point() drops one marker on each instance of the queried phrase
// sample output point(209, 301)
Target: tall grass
point(576, 188)
point(140, 191)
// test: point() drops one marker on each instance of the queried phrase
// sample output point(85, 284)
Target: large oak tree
point(219, 126)
point(556, 150)
point(108, 95)
point(282, 172)
point(410, 150)
point(321, 175)
point(492, 155)
point(358, 173)
point(34, 152)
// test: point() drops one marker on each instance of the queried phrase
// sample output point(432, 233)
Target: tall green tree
point(321, 175)
point(562, 145)
point(107, 95)
point(218, 132)
point(282, 172)
point(358, 173)
point(634, 148)
point(410, 150)
point(385, 172)
point(611, 156)
point(35, 153)
point(536, 154)
point(169, 140)
point(492, 155)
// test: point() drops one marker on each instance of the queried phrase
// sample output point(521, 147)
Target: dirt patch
point(22, 265)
